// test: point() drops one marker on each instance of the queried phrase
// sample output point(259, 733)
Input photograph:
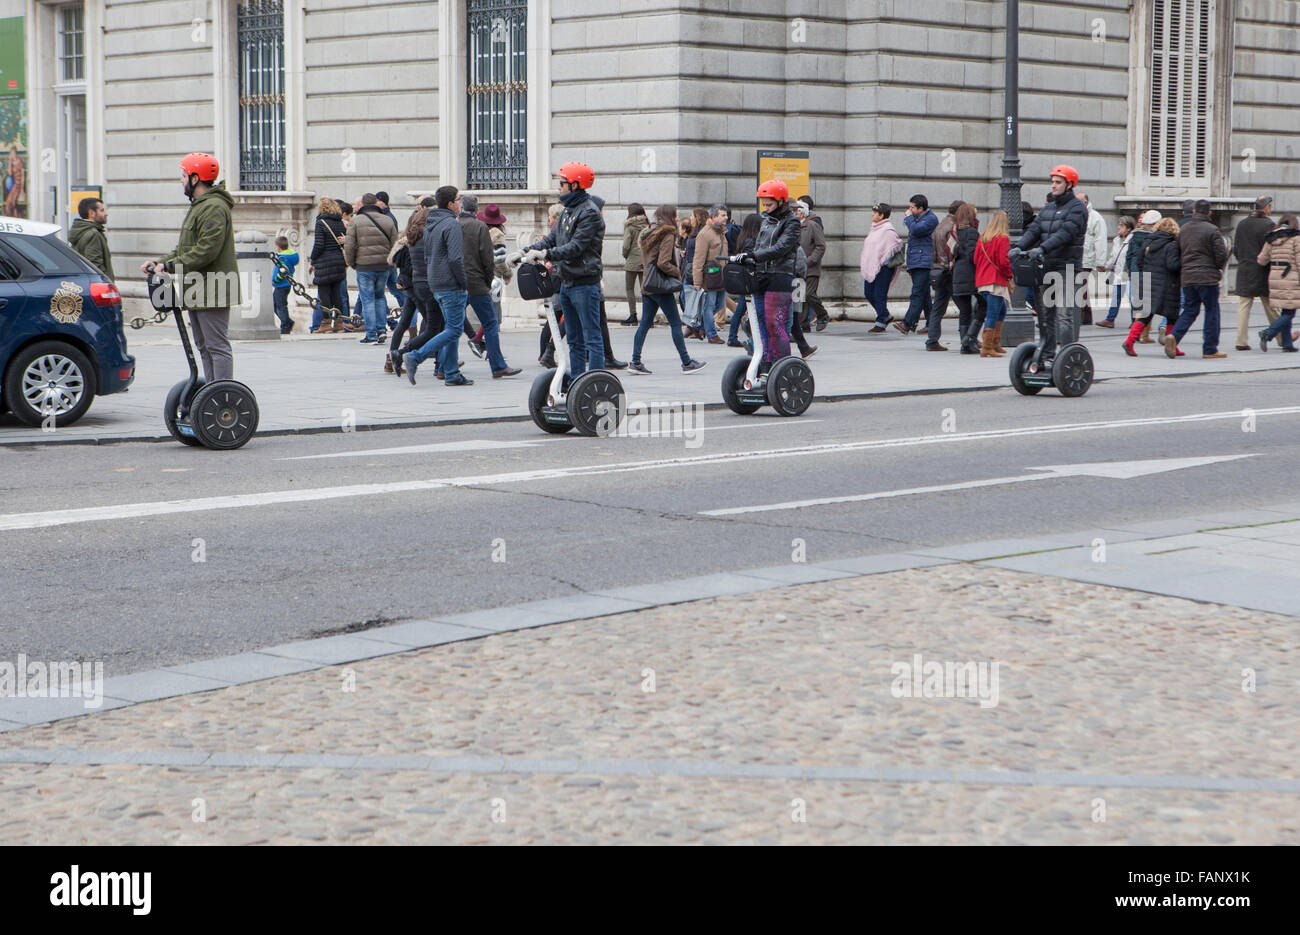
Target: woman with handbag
point(327, 263)
point(1160, 267)
point(774, 258)
point(966, 238)
point(661, 283)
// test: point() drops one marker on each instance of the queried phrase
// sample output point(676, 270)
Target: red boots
point(1133, 334)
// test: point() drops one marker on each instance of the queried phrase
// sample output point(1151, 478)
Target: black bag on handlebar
point(536, 282)
point(740, 279)
point(1026, 271)
point(164, 293)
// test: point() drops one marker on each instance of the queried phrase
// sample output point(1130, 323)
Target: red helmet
point(202, 165)
point(1069, 173)
point(774, 188)
point(578, 172)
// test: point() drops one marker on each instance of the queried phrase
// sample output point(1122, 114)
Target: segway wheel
point(1019, 360)
point(733, 380)
point(596, 404)
point(1072, 370)
point(224, 415)
point(170, 414)
point(790, 386)
point(537, 400)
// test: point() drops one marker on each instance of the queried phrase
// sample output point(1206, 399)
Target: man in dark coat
point(479, 270)
point(1056, 237)
point(1252, 279)
point(87, 236)
point(444, 256)
point(1204, 255)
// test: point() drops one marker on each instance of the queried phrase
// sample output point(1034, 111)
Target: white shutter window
point(1181, 90)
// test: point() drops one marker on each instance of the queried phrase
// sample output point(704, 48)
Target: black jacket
point(1134, 252)
point(1059, 229)
point(1252, 279)
point(777, 243)
point(963, 261)
point(444, 252)
point(402, 260)
point(1204, 252)
point(1160, 265)
point(576, 240)
point(419, 264)
point(326, 254)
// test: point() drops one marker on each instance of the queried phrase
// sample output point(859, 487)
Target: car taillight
point(105, 293)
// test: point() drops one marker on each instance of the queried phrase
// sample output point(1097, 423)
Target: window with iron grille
point(497, 86)
point(72, 43)
point(260, 36)
point(1181, 90)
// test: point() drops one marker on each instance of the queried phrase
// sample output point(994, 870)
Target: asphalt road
point(319, 545)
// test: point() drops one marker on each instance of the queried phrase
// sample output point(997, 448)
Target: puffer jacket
point(207, 246)
point(419, 265)
point(1160, 266)
point(574, 244)
point(1134, 253)
point(963, 261)
point(659, 247)
point(920, 250)
point(1204, 252)
point(1281, 254)
point(326, 254)
point(370, 236)
point(1252, 278)
point(778, 239)
point(1060, 229)
point(632, 232)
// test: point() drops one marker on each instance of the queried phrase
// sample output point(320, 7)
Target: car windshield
point(47, 254)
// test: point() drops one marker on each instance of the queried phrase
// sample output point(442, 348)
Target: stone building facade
point(1153, 101)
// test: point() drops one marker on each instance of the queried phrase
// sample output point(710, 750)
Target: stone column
point(254, 320)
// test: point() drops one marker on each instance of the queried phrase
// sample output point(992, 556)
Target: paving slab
point(149, 686)
point(245, 667)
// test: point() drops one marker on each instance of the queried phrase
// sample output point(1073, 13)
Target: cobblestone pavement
point(1107, 699)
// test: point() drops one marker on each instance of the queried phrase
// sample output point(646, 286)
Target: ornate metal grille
point(261, 95)
point(497, 85)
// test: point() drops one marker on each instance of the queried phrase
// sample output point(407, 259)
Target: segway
point(222, 414)
point(594, 403)
point(1070, 370)
point(787, 387)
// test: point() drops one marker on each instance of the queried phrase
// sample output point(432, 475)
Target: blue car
point(61, 337)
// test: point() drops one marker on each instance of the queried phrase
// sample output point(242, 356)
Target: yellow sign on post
point(790, 166)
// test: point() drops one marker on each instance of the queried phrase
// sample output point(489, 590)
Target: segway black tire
point(1072, 371)
point(170, 414)
point(596, 404)
point(1016, 364)
point(790, 386)
point(537, 399)
point(224, 415)
point(733, 379)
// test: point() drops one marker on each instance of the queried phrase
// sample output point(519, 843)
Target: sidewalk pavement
point(308, 383)
point(760, 705)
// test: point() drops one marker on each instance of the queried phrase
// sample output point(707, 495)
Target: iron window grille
point(72, 43)
point(497, 87)
point(260, 32)
point(1182, 52)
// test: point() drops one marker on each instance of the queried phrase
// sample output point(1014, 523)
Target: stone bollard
point(254, 320)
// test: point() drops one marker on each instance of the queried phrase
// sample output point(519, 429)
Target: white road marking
point(1122, 470)
point(157, 508)
point(433, 448)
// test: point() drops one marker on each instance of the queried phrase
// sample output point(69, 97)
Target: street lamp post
point(1019, 324)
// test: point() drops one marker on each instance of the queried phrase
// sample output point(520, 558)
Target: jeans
point(712, 302)
point(774, 316)
point(372, 301)
point(876, 292)
point(665, 303)
point(446, 343)
point(487, 314)
point(409, 311)
point(738, 317)
point(1193, 298)
point(580, 306)
point(391, 285)
point(281, 298)
point(1115, 301)
point(1281, 327)
point(995, 309)
point(920, 299)
point(941, 282)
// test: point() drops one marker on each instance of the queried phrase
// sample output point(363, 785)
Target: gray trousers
point(209, 330)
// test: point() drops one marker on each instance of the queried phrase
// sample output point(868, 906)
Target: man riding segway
point(207, 280)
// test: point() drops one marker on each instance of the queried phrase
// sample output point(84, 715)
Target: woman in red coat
point(993, 280)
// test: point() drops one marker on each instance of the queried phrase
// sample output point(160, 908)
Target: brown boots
point(1146, 333)
point(990, 346)
point(997, 340)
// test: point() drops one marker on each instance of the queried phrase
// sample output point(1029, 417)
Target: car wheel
point(49, 378)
